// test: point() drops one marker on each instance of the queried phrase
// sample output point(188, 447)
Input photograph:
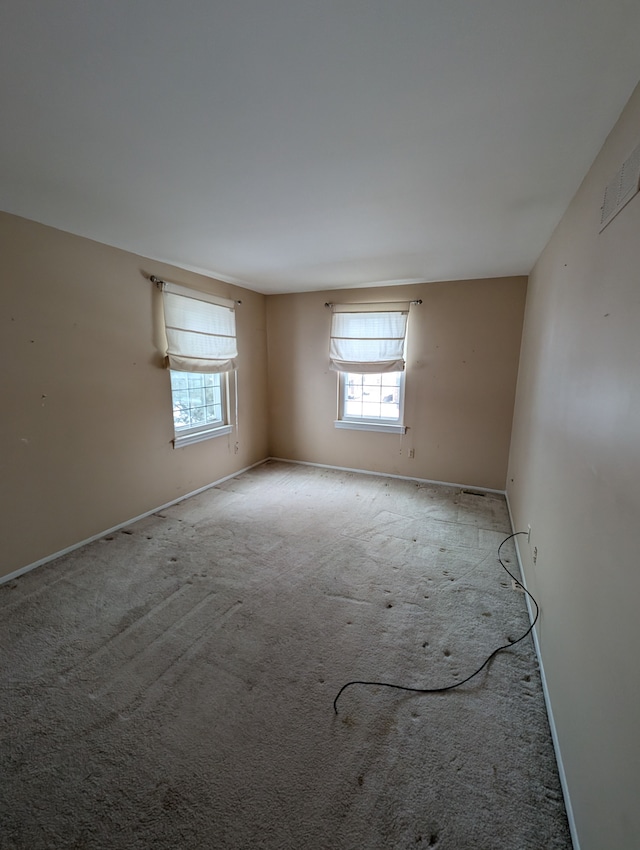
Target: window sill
point(198, 436)
point(382, 427)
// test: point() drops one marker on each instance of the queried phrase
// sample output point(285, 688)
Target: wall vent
point(621, 189)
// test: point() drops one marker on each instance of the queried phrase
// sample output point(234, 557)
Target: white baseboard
point(554, 732)
point(391, 475)
point(49, 558)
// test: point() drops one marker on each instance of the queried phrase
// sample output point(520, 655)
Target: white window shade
point(367, 342)
point(201, 330)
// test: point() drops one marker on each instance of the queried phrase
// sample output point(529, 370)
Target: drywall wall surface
point(463, 343)
point(574, 475)
point(86, 426)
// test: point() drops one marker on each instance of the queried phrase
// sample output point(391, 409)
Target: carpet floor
point(171, 685)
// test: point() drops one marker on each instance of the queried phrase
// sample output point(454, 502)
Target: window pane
point(371, 410)
point(197, 400)
point(211, 414)
point(181, 399)
point(372, 396)
point(178, 381)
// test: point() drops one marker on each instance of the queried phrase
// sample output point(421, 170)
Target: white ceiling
point(294, 145)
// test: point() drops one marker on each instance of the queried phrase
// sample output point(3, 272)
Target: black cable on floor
point(482, 666)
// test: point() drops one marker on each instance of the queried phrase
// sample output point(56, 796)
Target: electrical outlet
point(412, 452)
point(535, 554)
point(528, 534)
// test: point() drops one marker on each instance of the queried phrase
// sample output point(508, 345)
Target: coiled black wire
point(482, 666)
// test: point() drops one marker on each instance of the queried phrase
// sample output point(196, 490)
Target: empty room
point(320, 438)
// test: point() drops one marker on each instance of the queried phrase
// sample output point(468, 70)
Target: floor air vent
point(621, 189)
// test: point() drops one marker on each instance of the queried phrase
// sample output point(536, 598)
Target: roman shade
point(367, 342)
point(201, 330)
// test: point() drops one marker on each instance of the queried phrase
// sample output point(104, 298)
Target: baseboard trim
point(73, 547)
point(390, 475)
point(545, 690)
point(48, 558)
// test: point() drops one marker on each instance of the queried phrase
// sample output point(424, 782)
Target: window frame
point(198, 433)
point(370, 423)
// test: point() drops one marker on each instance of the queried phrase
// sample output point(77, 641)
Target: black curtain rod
point(160, 283)
point(370, 303)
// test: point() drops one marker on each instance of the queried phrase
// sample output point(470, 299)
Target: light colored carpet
point(171, 686)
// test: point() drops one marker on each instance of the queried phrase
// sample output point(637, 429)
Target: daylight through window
point(371, 396)
point(198, 401)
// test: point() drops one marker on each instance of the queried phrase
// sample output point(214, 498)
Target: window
point(369, 400)
point(367, 350)
point(199, 405)
point(201, 351)
point(375, 396)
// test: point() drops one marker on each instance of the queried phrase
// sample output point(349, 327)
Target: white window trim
point(366, 425)
point(205, 433)
point(361, 424)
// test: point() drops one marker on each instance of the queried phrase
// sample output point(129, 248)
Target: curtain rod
point(160, 283)
point(370, 303)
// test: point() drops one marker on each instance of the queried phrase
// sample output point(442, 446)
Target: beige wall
point(574, 475)
point(86, 426)
point(462, 356)
point(86, 432)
